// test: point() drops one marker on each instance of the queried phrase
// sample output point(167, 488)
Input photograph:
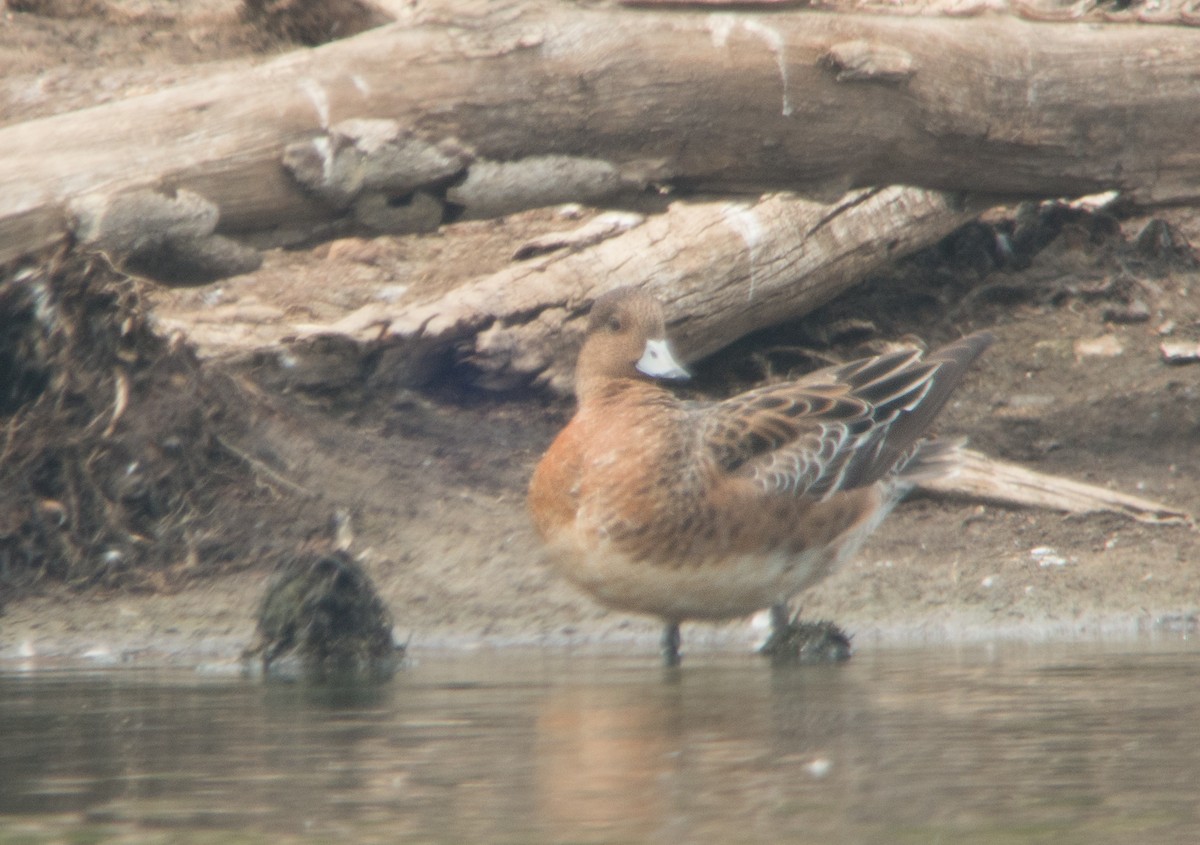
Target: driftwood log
point(481, 109)
point(722, 269)
point(980, 478)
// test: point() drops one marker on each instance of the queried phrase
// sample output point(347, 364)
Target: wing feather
point(839, 428)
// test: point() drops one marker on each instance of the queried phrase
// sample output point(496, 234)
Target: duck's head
point(626, 339)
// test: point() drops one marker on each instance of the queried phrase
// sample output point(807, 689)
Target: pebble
point(1176, 352)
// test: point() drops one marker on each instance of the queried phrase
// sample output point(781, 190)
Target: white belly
point(732, 587)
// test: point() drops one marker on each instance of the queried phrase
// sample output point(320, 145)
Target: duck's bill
point(658, 362)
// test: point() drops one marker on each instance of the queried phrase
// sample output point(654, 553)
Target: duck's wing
point(787, 437)
point(838, 428)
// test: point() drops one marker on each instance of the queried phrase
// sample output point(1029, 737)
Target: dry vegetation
point(119, 466)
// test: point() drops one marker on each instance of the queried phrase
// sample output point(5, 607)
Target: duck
point(707, 510)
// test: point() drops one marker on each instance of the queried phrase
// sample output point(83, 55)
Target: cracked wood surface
point(722, 270)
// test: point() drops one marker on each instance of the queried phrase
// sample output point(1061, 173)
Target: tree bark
point(477, 114)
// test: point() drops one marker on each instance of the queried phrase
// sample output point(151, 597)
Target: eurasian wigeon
point(712, 510)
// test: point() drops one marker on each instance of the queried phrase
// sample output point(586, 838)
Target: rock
point(1180, 352)
point(1105, 346)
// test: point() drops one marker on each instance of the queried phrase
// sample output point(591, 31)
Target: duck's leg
point(780, 619)
point(781, 628)
point(670, 644)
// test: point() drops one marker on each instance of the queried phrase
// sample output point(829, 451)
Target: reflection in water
point(713, 748)
point(1014, 744)
point(603, 757)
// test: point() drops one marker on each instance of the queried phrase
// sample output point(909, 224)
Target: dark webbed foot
point(794, 641)
point(670, 644)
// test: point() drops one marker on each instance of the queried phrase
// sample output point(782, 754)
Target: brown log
point(486, 108)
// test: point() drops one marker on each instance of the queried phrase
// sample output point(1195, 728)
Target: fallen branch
point(723, 269)
point(981, 477)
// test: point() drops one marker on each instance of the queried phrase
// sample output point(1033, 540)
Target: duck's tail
point(906, 392)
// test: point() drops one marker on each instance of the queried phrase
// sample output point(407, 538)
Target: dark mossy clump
point(807, 642)
point(324, 608)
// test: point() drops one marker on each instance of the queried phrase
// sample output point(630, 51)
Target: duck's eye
point(615, 325)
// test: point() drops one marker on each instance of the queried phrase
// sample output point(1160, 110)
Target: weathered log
point(483, 109)
point(722, 269)
point(981, 478)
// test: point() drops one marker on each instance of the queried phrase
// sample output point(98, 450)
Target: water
point(1061, 743)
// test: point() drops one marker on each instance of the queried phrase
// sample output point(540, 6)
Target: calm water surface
point(1010, 743)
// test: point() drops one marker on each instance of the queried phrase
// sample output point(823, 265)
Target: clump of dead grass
point(117, 467)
